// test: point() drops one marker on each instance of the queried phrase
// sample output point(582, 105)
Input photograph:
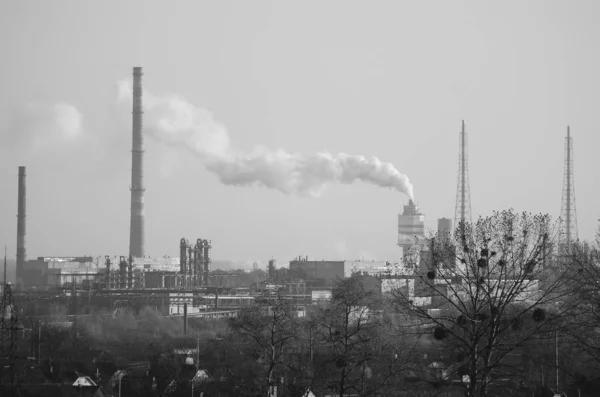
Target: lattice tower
point(462, 211)
point(568, 214)
point(9, 322)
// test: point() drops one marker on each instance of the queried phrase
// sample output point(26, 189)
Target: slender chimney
point(21, 229)
point(136, 236)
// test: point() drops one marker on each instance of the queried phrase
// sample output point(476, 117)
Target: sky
point(237, 87)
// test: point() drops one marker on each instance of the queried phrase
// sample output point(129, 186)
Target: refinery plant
point(189, 286)
point(136, 276)
point(110, 281)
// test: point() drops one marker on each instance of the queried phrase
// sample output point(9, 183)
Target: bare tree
point(269, 328)
point(359, 352)
point(584, 260)
point(486, 293)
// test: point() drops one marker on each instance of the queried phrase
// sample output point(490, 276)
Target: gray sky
point(390, 79)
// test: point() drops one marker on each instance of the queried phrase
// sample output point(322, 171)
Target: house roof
point(84, 381)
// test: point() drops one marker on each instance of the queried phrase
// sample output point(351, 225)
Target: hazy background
point(391, 79)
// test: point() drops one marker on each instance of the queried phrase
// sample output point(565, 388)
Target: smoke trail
point(174, 121)
point(38, 126)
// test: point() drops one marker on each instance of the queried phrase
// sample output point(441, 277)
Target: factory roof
point(79, 259)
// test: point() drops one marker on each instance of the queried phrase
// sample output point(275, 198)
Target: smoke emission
point(37, 126)
point(174, 121)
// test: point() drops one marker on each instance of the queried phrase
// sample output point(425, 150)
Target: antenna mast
point(568, 214)
point(462, 213)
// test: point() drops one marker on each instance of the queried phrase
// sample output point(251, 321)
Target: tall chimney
point(136, 236)
point(21, 230)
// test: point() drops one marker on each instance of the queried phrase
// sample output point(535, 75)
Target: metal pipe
point(206, 258)
point(107, 276)
point(122, 272)
point(130, 272)
point(190, 268)
point(21, 224)
point(182, 255)
point(136, 236)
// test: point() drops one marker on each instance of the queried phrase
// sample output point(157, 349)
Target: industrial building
point(411, 227)
point(57, 271)
point(444, 228)
point(118, 278)
point(333, 270)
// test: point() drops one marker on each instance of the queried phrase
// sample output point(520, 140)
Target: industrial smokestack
point(21, 229)
point(136, 236)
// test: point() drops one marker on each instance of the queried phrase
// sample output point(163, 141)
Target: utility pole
point(4, 279)
point(8, 331)
point(39, 340)
point(198, 352)
point(556, 347)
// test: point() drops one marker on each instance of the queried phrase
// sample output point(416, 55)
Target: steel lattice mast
point(9, 325)
point(568, 214)
point(462, 213)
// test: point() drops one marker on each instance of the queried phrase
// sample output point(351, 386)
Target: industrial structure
point(568, 213)
point(8, 324)
point(271, 270)
point(330, 271)
point(136, 236)
point(21, 224)
point(411, 226)
point(194, 265)
point(463, 194)
point(187, 286)
point(121, 280)
point(444, 229)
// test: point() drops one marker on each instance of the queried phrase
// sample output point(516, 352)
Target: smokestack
point(21, 229)
point(136, 236)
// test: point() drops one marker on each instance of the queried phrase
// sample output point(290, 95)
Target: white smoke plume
point(175, 121)
point(37, 126)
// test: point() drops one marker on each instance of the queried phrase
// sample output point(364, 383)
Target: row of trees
point(500, 306)
point(348, 346)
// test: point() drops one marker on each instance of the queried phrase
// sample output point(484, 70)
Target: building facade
point(444, 228)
